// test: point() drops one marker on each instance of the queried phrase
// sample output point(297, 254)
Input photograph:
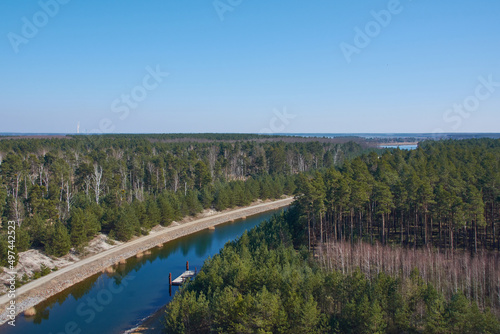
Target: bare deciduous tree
point(212, 158)
point(87, 182)
point(97, 181)
point(477, 276)
point(123, 174)
point(17, 206)
point(69, 196)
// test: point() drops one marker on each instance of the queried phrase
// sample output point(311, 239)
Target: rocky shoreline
point(35, 292)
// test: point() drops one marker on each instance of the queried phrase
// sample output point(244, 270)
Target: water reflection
point(115, 301)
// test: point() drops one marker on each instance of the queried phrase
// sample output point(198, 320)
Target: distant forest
point(64, 191)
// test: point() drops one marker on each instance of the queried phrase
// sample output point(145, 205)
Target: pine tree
point(222, 200)
point(153, 214)
point(60, 242)
point(126, 225)
point(78, 230)
point(166, 211)
point(192, 203)
point(202, 175)
point(206, 197)
point(384, 204)
point(309, 318)
point(23, 238)
point(4, 251)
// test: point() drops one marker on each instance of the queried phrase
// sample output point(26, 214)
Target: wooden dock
point(183, 277)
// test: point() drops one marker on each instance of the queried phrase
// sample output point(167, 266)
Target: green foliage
point(441, 194)
point(162, 178)
point(153, 214)
point(25, 279)
point(191, 203)
point(464, 317)
point(126, 225)
point(3, 201)
point(202, 176)
point(4, 250)
point(222, 200)
point(83, 226)
point(44, 270)
point(59, 242)
point(166, 211)
point(206, 197)
point(38, 232)
point(261, 284)
point(18, 282)
point(23, 238)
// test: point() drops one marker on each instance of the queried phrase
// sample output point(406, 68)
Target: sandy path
point(36, 291)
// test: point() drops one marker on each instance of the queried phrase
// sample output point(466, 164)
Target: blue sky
point(233, 65)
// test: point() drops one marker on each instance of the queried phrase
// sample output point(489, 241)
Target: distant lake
point(402, 147)
point(417, 136)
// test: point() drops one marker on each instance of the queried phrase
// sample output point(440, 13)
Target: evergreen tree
point(78, 234)
point(4, 251)
point(206, 197)
point(153, 214)
point(192, 203)
point(202, 175)
point(222, 200)
point(59, 243)
point(126, 225)
point(384, 204)
point(23, 238)
point(166, 211)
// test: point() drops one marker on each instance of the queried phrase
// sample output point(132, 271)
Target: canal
point(117, 301)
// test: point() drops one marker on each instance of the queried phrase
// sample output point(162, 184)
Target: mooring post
point(169, 278)
point(187, 265)
point(195, 270)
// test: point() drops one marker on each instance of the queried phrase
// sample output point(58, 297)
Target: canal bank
point(37, 291)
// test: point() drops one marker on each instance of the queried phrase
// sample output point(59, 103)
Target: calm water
point(421, 136)
point(113, 303)
point(402, 147)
